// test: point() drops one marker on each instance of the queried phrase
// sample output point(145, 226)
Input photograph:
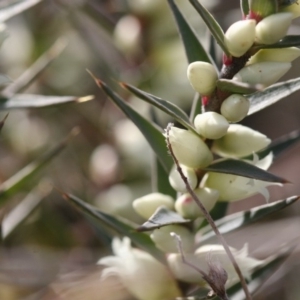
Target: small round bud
point(147, 205)
point(240, 37)
point(211, 125)
point(176, 181)
point(202, 77)
point(265, 73)
point(273, 28)
point(240, 141)
point(189, 149)
point(187, 207)
point(235, 108)
point(165, 242)
point(279, 55)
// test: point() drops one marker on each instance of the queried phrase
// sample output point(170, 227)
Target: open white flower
point(213, 253)
point(143, 276)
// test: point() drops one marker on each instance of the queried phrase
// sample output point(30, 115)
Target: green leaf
point(242, 168)
point(34, 101)
point(260, 275)
point(168, 107)
point(15, 183)
point(281, 144)
point(212, 24)
point(286, 2)
point(162, 217)
point(219, 210)
point(24, 209)
point(35, 70)
point(121, 226)
point(150, 131)
point(263, 8)
point(196, 107)
point(11, 10)
point(243, 218)
point(244, 7)
point(287, 41)
point(161, 180)
point(272, 94)
point(193, 47)
point(237, 87)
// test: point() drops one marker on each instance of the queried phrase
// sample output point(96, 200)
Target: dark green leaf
point(196, 107)
point(260, 275)
point(35, 70)
point(241, 219)
point(242, 168)
point(17, 181)
point(219, 210)
point(11, 10)
point(287, 41)
point(24, 209)
point(121, 226)
point(151, 132)
point(161, 180)
point(162, 217)
point(237, 87)
point(35, 101)
point(212, 24)
point(244, 7)
point(286, 2)
point(281, 144)
point(263, 8)
point(272, 94)
point(193, 47)
point(169, 108)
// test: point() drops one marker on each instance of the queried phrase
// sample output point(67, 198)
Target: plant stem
point(208, 217)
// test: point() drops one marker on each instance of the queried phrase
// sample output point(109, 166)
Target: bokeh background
point(52, 254)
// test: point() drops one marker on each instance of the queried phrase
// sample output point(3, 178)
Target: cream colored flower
point(143, 276)
point(214, 253)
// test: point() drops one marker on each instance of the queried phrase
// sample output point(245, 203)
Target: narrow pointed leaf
point(287, 41)
point(151, 132)
point(35, 101)
point(273, 94)
point(281, 144)
point(24, 209)
point(15, 183)
point(121, 226)
point(160, 180)
point(193, 47)
point(15, 9)
point(237, 87)
point(212, 24)
point(35, 70)
point(168, 107)
point(196, 107)
point(260, 275)
point(242, 168)
point(243, 218)
point(245, 7)
point(162, 217)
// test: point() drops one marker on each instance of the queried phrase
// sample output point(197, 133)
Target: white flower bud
point(147, 205)
point(165, 242)
point(211, 125)
point(240, 37)
point(176, 181)
point(202, 77)
point(293, 9)
point(265, 73)
point(187, 207)
point(235, 108)
point(279, 55)
point(240, 141)
point(217, 253)
point(189, 149)
point(273, 28)
point(140, 273)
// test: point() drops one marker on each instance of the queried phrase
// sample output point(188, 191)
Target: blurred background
point(52, 253)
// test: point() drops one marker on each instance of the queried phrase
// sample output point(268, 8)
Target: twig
point(208, 217)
